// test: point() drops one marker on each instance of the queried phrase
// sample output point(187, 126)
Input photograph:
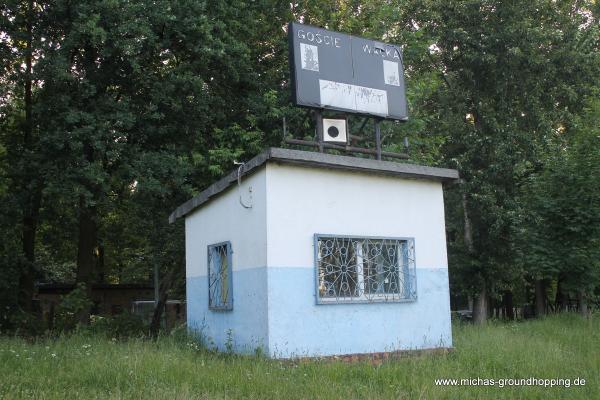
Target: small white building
point(311, 254)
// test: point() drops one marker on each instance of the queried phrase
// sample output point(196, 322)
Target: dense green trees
point(113, 112)
point(559, 230)
point(515, 75)
point(133, 106)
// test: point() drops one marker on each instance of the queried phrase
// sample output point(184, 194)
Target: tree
point(513, 74)
point(560, 230)
point(114, 112)
point(126, 81)
point(20, 48)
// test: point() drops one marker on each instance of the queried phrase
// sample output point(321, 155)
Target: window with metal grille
point(220, 288)
point(365, 269)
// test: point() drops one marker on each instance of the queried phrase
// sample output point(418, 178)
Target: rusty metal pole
point(319, 122)
point(378, 138)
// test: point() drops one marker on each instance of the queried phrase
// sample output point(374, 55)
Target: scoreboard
point(332, 70)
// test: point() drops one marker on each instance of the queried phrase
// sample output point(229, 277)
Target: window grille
point(220, 289)
point(364, 270)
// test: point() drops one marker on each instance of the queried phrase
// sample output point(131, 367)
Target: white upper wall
point(291, 203)
point(302, 201)
point(224, 219)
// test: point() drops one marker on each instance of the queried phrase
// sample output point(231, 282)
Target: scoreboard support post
point(378, 138)
point(319, 121)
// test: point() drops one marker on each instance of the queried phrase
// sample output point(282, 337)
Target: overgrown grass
point(87, 367)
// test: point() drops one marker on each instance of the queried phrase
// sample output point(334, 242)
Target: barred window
point(220, 289)
point(363, 269)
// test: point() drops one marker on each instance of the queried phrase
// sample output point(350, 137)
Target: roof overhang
point(316, 160)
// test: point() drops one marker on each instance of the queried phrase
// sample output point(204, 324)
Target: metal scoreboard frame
point(336, 71)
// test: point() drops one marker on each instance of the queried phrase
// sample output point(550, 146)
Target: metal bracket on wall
point(239, 184)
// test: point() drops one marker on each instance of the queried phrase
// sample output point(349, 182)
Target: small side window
point(220, 288)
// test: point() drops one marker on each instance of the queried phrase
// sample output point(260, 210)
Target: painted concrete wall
point(224, 219)
point(304, 201)
point(274, 305)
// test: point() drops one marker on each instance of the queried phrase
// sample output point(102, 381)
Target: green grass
point(87, 367)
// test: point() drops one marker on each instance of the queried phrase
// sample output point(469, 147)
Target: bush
point(26, 324)
point(120, 326)
point(67, 312)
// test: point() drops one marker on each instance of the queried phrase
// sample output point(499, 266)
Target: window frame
point(375, 298)
point(228, 305)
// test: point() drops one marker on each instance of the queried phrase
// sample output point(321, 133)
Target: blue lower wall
point(247, 321)
point(299, 327)
point(284, 320)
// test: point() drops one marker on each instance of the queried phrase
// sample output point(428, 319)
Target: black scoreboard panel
point(335, 71)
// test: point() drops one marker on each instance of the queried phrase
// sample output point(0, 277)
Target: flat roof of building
point(316, 160)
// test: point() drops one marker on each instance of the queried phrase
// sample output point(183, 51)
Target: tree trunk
point(51, 316)
point(540, 298)
point(507, 304)
point(491, 304)
point(30, 224)
point(468, 230)
point(32, 188)
point(100, 267)
point(561, 297)
point(481, 306)
point(86, 257)
point(165, 286)
point(582, 304)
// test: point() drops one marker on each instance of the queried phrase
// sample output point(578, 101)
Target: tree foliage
point(114, 112)
point(515, 77)
point(559, 233)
